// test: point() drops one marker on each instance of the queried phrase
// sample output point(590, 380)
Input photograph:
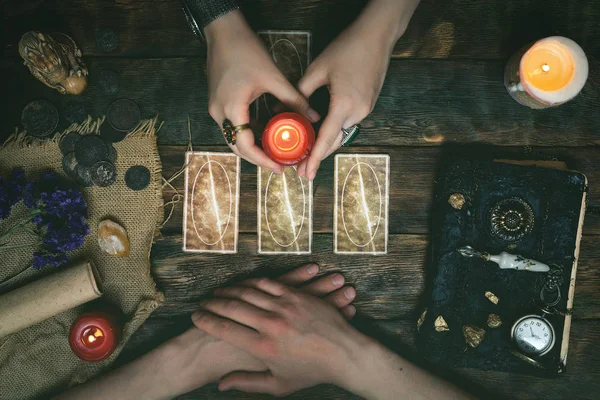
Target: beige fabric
point(38, 361)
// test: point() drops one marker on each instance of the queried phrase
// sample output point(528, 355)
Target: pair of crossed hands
point(278, 335)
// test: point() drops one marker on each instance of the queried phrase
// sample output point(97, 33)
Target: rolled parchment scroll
point(48, 296)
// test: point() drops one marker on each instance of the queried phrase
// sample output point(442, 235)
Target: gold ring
point(230, 131)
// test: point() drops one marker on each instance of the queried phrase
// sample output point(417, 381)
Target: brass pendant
point(511, 219)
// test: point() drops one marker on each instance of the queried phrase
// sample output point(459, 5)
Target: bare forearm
point(144, 378)
point(384, 375)
point(180, 365)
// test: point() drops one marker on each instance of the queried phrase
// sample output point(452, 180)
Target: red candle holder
point(288, 138)
point(94, 336)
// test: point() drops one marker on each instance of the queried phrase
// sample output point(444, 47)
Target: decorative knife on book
point(505, 260)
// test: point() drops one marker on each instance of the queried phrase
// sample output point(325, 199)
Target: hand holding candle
point(550, 72)
point(288, 138)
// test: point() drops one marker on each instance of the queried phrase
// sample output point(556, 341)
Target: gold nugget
point(421, 319)
point(494, 321)
point(456, 200)
point(440, 324)
point(473, 335)
point(491, 297)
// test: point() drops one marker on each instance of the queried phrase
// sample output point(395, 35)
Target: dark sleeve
point(200, 13)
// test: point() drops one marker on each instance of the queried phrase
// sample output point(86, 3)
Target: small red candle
point(288, 138)
point(94, 336)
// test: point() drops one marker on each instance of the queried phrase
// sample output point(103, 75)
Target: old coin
point(104, 173)
point(68, 142)
point(106, 39)
point(110, 134)
point(90, 149)
point(75, 112)
point(39, 118)
point(123, 115)
point(84, 176)
point(108, 81)
point(112, 153)
point(69, 164)
point(137, 177)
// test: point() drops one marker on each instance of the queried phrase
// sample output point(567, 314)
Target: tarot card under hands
point(361, 203)
point(291, 53)
point(284, 212)
point(210, 213)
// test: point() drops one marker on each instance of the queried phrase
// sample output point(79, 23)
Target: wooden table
point(444, 85)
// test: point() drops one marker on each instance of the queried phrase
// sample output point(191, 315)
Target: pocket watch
point(533, 335)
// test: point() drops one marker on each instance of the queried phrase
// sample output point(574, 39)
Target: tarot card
point(284, 212)
point(210, 212)
point(291, 52)
point(360, 223)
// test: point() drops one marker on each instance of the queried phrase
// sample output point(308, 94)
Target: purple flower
point(11, 191)
point(61, 236)
point(59, 213)
point(42, 260)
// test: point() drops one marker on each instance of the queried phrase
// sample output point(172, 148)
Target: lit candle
point(288, 138)
point(548, 73)
point(94, 336)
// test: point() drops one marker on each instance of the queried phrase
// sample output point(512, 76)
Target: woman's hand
point(353, 67)
point(302, 339)
point(240, 70)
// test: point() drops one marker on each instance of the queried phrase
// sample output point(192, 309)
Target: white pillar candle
point(548, 73)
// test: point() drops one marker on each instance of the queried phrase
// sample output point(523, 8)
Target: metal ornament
point(550, 293)
point(505, 260)
point(348, 134)
point(511, 219)
point(55, 60)
point(533, 335)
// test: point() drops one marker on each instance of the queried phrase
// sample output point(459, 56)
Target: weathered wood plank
point(581, 381)
point(451, 29)
point(388, 287)
point(423, 103)
point(412, 175)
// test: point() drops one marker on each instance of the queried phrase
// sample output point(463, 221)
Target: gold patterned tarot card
point(284, 212)
point(360, 222)
point(210, 212)
point(291, 53)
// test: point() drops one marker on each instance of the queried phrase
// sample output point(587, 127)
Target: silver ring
point(348, 134)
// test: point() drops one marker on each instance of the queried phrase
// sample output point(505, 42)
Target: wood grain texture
point(388, 287)
point(449, 29)
point(412, 175)
point(423, 103)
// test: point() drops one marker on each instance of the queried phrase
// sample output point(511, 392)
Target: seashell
point(440, 324)
point(456, 200)
point(494, 321)
point(421, 319)
point(473, 335)
point(112, 238)
point(492, 297)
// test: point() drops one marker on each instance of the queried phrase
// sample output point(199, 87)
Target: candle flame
point(545, 68)
point(91, 338)
point(285, 135)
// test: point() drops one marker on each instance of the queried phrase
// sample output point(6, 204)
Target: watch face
point(533, 335)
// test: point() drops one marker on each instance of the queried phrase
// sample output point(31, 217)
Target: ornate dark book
point(476, 300)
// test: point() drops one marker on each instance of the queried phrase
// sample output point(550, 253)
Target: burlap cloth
point(37, 361)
